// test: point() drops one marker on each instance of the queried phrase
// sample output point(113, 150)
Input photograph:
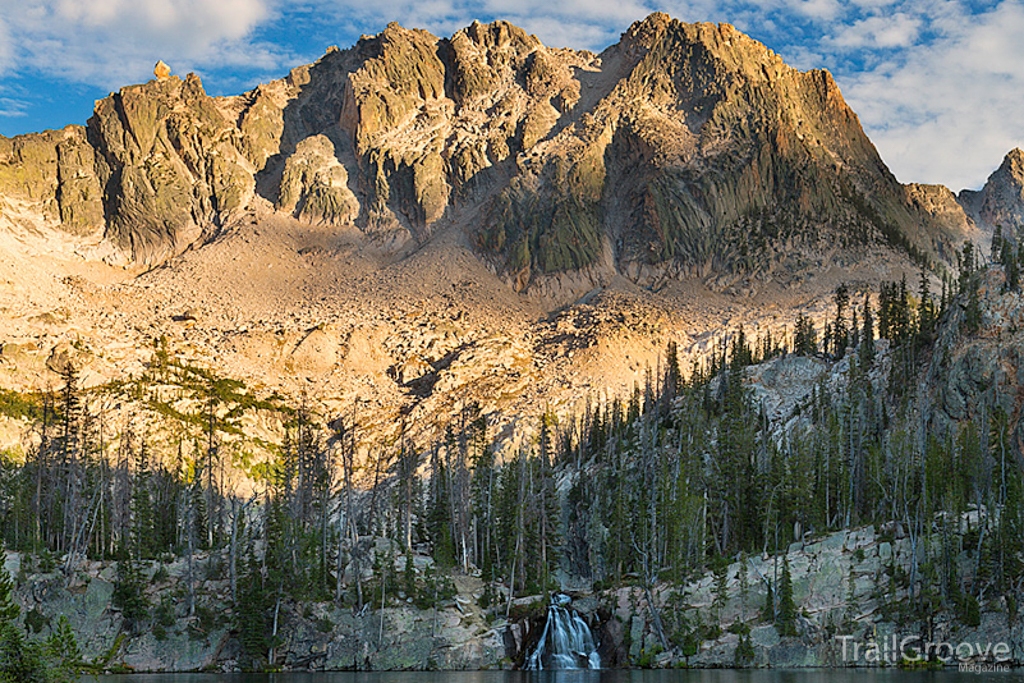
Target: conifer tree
point(997, 243)
point(9, 609)
point(785, 621)
point(866, 349)
point(250, 609)
point(840, 333)
point(721, 586)
point(972, 312)
point(805, 339)
point(21, 661)
point(439, 512)
point(129, 595)
point(63, 656)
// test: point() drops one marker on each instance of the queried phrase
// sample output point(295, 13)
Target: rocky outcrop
point(843, 589)
point(843, 585)
point(939, 202)
point(169, 161)
point(1001, 201)
point(314, 185)
point(315, 636)
point(53, 177)
point(977, 376)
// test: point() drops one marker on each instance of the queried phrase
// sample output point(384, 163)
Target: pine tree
point(972, 313)
point(129, 595)
point(852, 606)
point(21, 661)
point(927, 314)
point(409, 576)
point(439, 512)
point(805, 339)
point(744, 654)
point(768, 608)
point(64, 658)
point(250, 610)
point(743, 577)
point(9, 609)
point(866, 350)
point(968, 266)
point(997, 243)
point(1009, 259)
point(785, 621)
point(840, 333)
point(721, 586)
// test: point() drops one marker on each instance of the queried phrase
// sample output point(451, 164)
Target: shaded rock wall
point(315, 636)
point(1001, 201)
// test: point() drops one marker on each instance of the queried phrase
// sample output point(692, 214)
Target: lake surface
point(630, 676)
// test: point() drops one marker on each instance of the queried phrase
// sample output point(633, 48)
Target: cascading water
point(565, 642)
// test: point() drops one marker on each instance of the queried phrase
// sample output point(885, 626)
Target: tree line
point(666, 484)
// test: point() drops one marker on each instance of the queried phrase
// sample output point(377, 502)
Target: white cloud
point(898, 30)
point(12, 108)
point(949, 110)
point(6, 49)
point(816, 9)
point(112, 42)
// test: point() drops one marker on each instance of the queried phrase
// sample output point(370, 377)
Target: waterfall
point(566, 642)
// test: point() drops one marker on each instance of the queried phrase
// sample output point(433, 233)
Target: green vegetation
point(23, 659)
point(669, 483)
point(19, 405)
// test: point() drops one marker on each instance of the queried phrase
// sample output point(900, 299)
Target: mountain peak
point(653, 24)
point(1001, 201)
point(1013, 162)
point(667, 156)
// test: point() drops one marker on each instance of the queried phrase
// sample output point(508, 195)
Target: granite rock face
point(314, 186)
point(839, 585)
point(315, 636)
point(978, 377)
point(1001, 201)
point(682, 150)
point(52, 176)
point(169, 163)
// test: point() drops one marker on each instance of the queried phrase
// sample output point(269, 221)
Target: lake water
point(610, 676)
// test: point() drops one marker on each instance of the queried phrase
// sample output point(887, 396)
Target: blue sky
point(938, 84)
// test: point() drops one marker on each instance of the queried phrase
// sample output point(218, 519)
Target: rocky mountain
point(681, 150)
point(322, 322)
point(1001, 201)
point(418, 221)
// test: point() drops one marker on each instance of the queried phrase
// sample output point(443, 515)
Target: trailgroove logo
point(972, 657)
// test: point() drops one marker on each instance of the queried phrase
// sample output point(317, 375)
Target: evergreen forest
point(668, 483)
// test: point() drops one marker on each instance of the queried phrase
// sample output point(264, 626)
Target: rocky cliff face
point(454, 635)
point(843, 584)
point(702, 151)
point(981, 376)
point(684, 149)
point(51, 178)
point(169, 161)
point(1001, 201)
